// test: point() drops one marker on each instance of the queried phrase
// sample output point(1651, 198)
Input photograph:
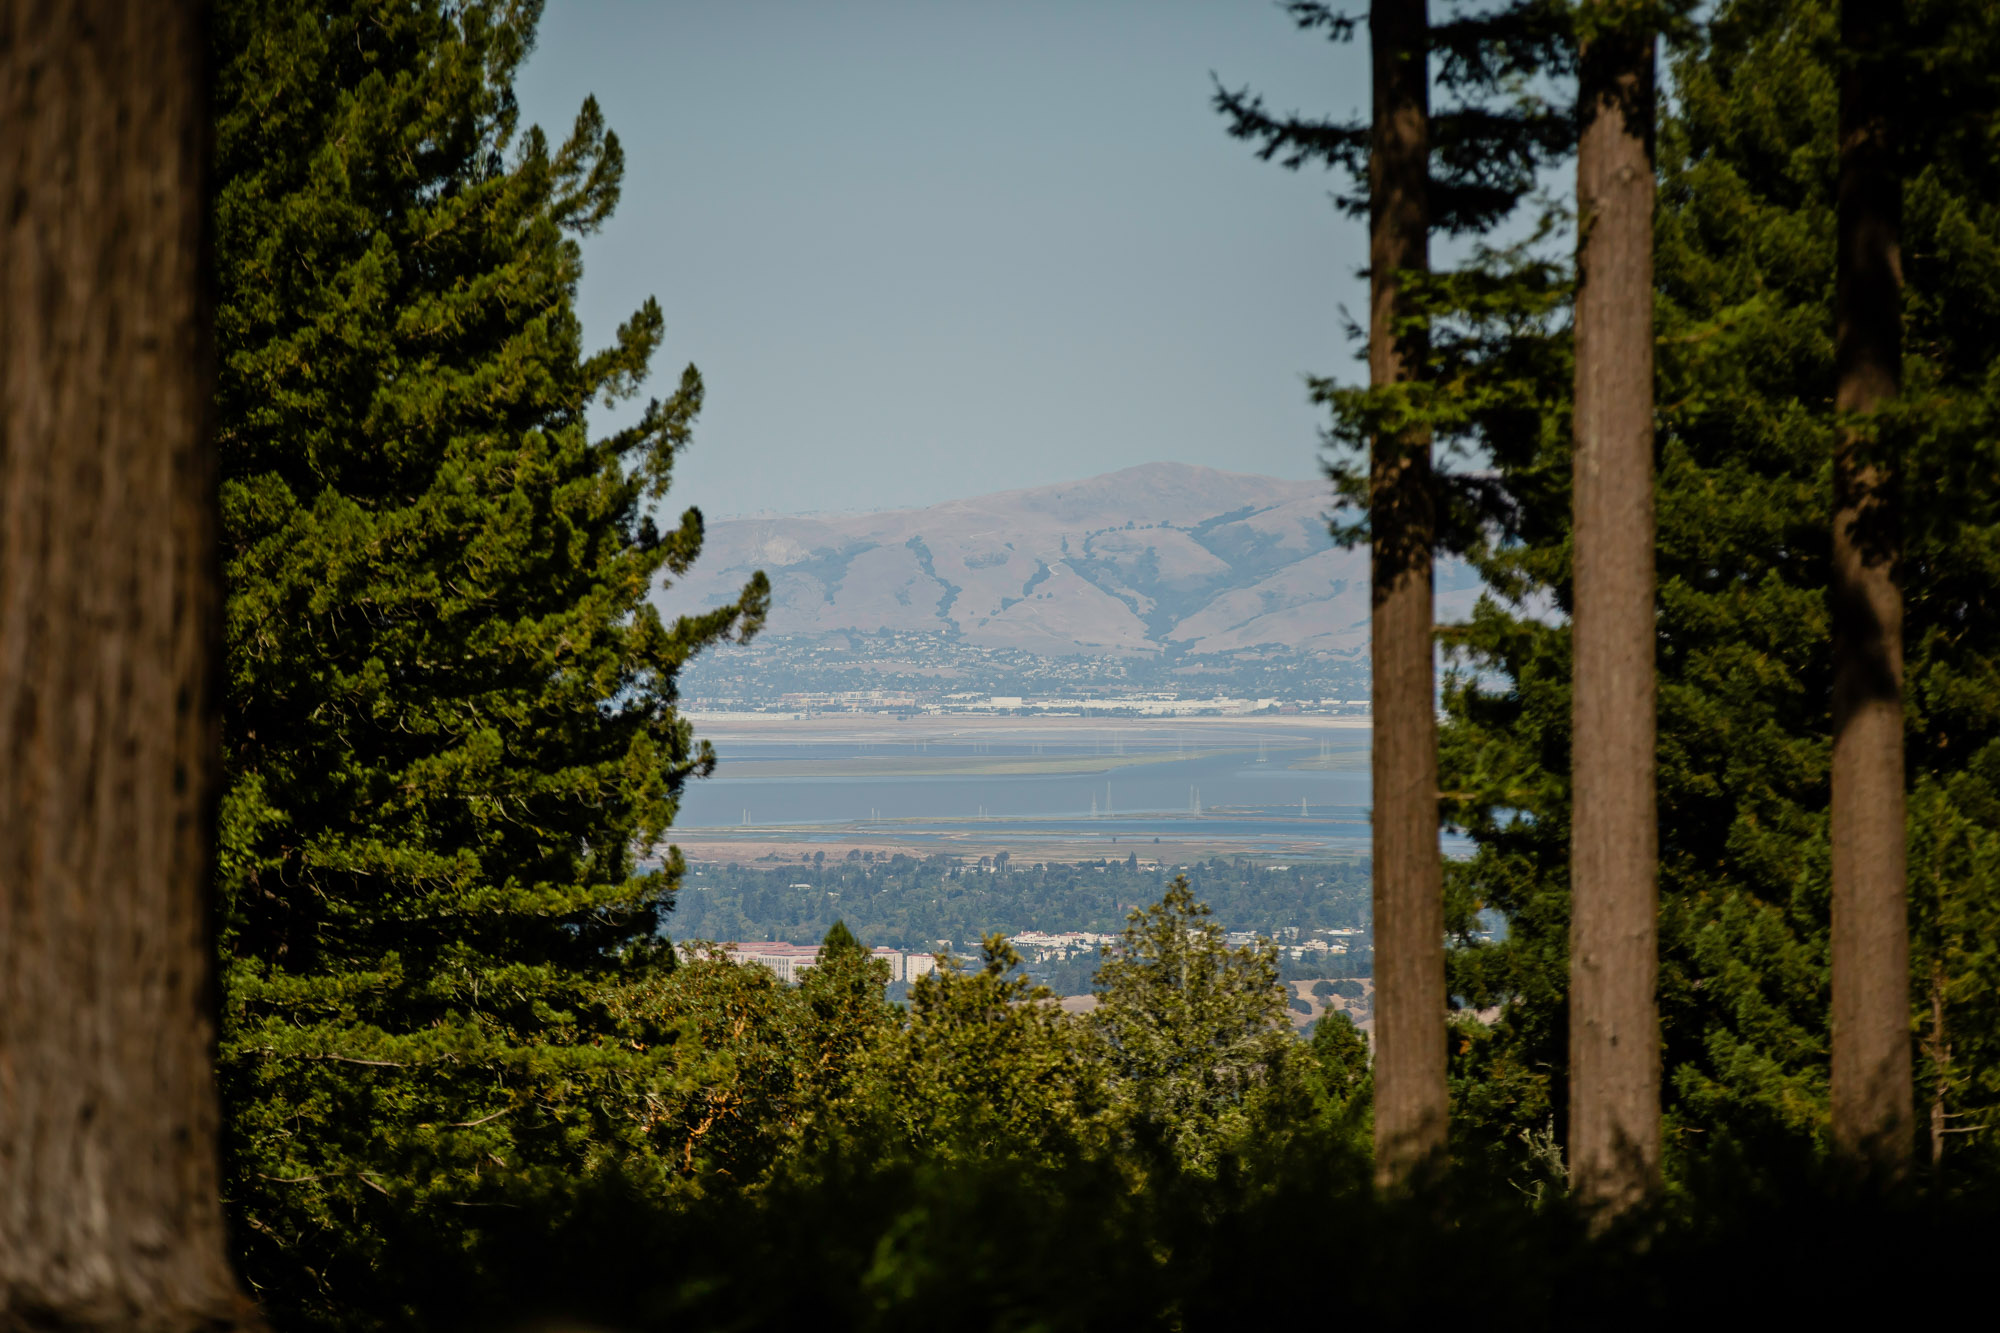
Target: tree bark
point(1410, 1096)
point(109, 1215)
point(1614, 1130)
point(1873, 1094)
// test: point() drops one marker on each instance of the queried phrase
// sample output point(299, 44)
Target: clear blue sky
point(921, 250)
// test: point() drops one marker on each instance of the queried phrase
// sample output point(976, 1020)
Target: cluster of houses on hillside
point(1038, 946)
point(792, 961)
point(1297, 945)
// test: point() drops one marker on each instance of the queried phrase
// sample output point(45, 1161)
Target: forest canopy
point(465, 1072)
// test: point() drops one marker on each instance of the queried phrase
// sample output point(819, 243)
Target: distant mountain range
point(1165, 560)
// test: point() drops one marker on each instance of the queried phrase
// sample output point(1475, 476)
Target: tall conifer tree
point(1871, 1089)
point(1614, 1136)
point(1462, 170)
point(1410, 1092)
point(450, 730)
point(112, 1216)
point(1745, 280)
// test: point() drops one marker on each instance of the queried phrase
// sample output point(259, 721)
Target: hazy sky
point(921, 250)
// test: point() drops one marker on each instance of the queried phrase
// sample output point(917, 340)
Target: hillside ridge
point(1162, 559)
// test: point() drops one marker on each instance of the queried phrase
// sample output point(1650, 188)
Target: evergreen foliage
point(1190, 1028)
point(847, 1017)
point(908, 902)
point(468, 1081)
point(450, 731)
point(728, 1046)
point(983, 1169)
point(1488, 140)
point(1745, 271)
point(1744, 265)
point(986, 1068)
point(1498, 120)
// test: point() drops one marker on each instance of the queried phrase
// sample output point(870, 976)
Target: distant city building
point(789, 961)
point(1038, 946)
point(1069, 939)
point(792, 961)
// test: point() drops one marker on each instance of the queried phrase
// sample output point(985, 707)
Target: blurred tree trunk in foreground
point(110, 1216)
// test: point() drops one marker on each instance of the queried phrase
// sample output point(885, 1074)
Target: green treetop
point(450, 733)
point(1189, 1026)
point(987, 1067)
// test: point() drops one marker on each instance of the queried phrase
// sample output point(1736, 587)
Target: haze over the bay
point(923, 251)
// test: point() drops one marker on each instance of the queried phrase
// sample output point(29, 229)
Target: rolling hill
point(1161, 560)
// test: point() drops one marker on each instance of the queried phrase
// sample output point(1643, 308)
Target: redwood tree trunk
point(1409, 894)
point(109, 1214)
point(1614, 1130)
point(1873, 1111)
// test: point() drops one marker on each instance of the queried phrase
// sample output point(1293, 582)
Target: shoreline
point(931, 726)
